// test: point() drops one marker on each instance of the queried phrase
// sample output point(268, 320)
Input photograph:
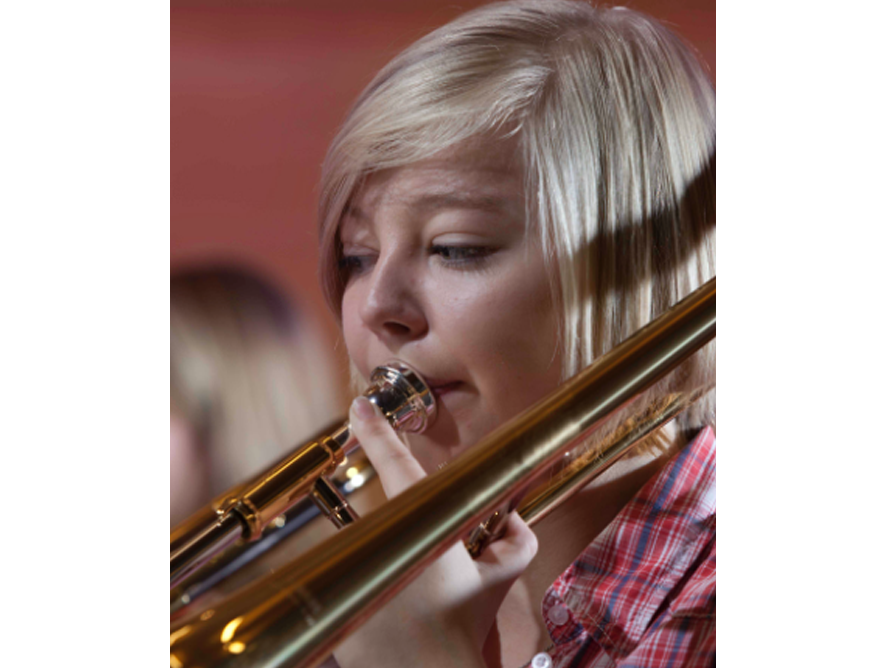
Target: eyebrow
point(447, 200)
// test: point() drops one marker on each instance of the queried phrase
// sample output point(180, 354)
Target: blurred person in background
point(250, 378)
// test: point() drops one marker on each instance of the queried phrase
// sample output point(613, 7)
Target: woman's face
point(442, 273)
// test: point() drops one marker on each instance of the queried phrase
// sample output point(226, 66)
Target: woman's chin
point(436, 447)
point(456, 428)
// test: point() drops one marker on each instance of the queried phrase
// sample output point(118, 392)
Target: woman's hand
point(443, 617)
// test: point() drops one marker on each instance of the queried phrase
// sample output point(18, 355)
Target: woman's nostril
point(397, 328)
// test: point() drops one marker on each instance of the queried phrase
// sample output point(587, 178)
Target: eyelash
point(351, 264)
point(453, 256)
point(462, 255)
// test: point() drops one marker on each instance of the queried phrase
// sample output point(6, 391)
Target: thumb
point(396, 467)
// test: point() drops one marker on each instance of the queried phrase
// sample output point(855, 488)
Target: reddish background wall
point(257, 92)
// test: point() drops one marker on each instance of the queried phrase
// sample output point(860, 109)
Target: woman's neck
point(565, 533)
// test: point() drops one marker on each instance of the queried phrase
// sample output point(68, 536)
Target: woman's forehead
point(480, 175)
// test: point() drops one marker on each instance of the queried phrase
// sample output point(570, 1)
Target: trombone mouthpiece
point(403, 397)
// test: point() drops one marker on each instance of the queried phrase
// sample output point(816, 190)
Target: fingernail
point(365, 409)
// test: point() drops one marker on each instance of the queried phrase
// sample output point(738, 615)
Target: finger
point(396, 467)
point(505, 559)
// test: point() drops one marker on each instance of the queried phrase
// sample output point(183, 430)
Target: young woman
point(512, 196)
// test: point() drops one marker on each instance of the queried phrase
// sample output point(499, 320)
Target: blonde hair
point(615, 116)
point(248, 372)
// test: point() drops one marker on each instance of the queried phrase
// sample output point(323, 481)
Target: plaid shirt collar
point(656, 555)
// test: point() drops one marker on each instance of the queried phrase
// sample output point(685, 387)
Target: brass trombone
point(245, 511)
point(296, 616)
point(355, 472)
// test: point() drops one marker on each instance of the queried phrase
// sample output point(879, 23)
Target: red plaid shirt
point(643, 593)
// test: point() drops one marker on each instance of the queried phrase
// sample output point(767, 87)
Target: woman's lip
point(440, 389)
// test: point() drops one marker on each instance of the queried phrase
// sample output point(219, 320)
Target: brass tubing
point(187, 530)
point(551, 494)
point(194, 554)
point(295, 617)
point(333, 503)
point(193, 526)
point(274, 493)
point(292, 480)
point(544, 500)
point(398, 391)
point(226, 563)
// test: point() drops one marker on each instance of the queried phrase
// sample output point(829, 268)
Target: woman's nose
point(392, 308)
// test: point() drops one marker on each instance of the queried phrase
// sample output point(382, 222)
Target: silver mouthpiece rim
point(403, 396)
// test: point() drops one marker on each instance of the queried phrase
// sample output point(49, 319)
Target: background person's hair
point(249, 374)
point(616, 120)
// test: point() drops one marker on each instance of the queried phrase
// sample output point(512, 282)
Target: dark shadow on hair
point(616, 263)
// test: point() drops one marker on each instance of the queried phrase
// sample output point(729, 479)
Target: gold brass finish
point(486, 533)
point(403, 397)
point(349, 478)
point(546, 498)
point(333, 503)
point(286, 484)
point(196, 523)
point(541, 502)
point(296, 616)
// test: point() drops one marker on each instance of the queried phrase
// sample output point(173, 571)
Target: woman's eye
point(461, 254)
point(351, 265)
